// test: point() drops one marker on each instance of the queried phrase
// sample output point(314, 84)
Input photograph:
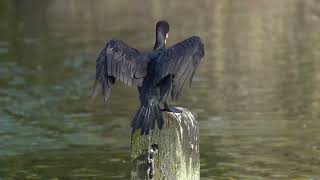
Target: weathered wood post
point(170, 153)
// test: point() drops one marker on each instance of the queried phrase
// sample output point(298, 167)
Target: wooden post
point(169, 153)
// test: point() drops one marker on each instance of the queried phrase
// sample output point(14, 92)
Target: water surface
point(256, 95)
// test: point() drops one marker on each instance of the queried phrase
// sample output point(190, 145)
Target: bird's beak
point(165, 40)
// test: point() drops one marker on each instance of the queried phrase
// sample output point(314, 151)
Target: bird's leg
point(166, 107)
point(165, 89)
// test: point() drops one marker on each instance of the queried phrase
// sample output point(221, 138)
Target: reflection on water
point(256, 94)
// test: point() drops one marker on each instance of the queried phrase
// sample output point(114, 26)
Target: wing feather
point(118, 61)
point(181, 61)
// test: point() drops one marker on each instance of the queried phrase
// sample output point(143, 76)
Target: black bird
point(156, 73)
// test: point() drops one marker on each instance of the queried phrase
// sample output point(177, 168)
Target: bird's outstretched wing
point(181, 61)
point(118, 61)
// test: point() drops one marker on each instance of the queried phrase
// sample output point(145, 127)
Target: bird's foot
point(175, 110)
point(170, 109)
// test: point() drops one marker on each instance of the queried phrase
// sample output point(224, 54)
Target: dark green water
point(256, 95)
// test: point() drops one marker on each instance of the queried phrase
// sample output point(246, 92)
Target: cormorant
point(156, 73)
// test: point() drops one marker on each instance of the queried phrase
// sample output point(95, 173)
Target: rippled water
point(256, 95)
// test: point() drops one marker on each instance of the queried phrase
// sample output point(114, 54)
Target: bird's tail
point(146, 118)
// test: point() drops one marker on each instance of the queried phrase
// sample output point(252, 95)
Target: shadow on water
point(256, 94)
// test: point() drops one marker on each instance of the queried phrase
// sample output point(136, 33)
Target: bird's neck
point(160, 43)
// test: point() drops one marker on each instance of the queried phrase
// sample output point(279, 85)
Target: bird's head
point(162, 29)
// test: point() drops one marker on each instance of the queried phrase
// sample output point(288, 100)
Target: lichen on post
point(169, 153)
